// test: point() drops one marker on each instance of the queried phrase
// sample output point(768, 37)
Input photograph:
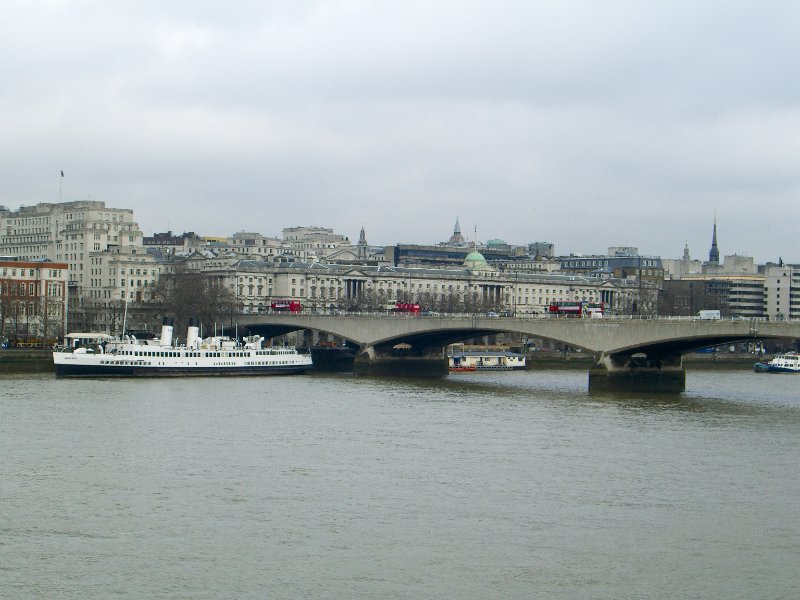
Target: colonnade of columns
point(353, 288)
point(492, 293)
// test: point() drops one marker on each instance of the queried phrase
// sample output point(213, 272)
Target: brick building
point(33, 298)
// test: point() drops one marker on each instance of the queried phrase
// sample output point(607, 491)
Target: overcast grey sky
point(588, 124)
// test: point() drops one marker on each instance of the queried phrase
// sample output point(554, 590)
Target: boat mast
point(124, 317)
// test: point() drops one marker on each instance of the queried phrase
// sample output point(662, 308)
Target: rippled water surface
point(499, 485)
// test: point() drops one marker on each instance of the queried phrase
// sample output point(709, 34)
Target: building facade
point(255, 244)
point(734, 286)
point(93, 240)
point(541, 250)
point(33, 299)
point(733, 295)
point(169, 244)
point(313, 243)
point(473, 287)
point(621, 266)
point(782, 291)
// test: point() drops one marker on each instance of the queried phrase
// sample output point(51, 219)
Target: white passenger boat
point(485, 360)
point(782, 363)
point(218, 355)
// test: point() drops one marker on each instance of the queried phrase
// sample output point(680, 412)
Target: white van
point(708, 315)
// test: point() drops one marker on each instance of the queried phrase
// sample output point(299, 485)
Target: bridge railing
point(527, 317)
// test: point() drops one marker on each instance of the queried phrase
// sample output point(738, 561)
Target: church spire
point(456, 239)
point(361, 249)
point(713, 254)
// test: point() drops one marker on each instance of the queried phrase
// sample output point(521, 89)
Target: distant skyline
point(583, 124)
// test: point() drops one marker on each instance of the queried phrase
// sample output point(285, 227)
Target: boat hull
point(82, 370)
point(768, 368)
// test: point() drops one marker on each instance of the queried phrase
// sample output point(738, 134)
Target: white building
point(313, 243)
point(782, 292)
point(475, 286)
point(98, 243)
point(676, 269)
point(255, 244)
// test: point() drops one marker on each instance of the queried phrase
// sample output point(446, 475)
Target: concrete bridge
point(635, 354)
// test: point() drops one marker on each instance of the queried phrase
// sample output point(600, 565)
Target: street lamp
point(639, 280)
point(514, 292)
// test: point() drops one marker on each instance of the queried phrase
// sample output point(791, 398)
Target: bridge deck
point(606, 336)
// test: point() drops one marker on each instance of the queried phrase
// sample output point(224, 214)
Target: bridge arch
point(631, 354)
point(600, 336)
point(419, 333)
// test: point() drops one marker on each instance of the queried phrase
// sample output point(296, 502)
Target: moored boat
point(217, 355)
point(781, 363)
point(485, 360)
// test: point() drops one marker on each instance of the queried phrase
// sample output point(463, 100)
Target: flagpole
point(60, 185)
point(125, 317)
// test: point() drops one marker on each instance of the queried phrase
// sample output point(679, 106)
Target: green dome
point(474, 259)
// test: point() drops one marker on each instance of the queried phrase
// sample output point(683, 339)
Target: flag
point(62, 173)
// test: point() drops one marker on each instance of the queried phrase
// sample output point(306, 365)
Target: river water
point(497, 485)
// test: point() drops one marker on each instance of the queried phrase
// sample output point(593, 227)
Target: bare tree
point(367, 301)
point(6, 310)
point(475, 303)
point(187, 294)
point(642, 301)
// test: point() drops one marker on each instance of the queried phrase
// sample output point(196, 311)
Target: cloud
point(575, 122)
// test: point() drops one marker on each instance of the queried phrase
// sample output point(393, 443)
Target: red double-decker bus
point(286, 306)
point(577, 309)
point(405, 307)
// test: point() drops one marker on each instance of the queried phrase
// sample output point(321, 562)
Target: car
point(492, 314)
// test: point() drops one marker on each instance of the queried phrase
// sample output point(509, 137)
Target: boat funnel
point(166, 331)
point(193, 334)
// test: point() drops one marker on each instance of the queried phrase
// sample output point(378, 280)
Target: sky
point(582, 123)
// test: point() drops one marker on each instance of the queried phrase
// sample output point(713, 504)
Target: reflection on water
point(512, 485)
point(14, 366)
point(733, 391)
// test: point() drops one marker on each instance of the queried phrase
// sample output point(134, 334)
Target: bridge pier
point(638, 373)
point(400, 362)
